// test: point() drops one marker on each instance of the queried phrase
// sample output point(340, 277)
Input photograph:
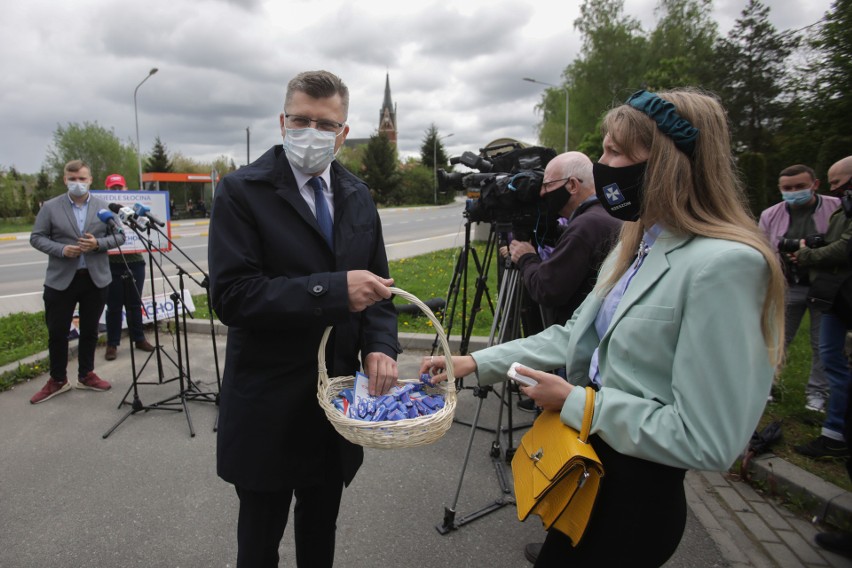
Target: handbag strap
point(588, 414)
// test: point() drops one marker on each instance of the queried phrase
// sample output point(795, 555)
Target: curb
point(825, 501)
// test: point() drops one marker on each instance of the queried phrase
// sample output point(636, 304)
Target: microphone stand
point(205, 283)
point(189, 390)
point(136, 406)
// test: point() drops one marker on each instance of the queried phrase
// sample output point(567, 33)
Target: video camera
point(506, 190)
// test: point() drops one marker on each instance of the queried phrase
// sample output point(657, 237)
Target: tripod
point(189, 390)
point(458, 283)
point(506, 326)
point(136, 406)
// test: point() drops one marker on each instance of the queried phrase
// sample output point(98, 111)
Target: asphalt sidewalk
point(147, 495)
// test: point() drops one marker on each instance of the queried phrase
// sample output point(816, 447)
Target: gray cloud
point(224, 64)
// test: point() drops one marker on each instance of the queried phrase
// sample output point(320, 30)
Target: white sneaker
point(815, 403)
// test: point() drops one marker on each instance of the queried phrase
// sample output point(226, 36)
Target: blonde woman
point(680, 337)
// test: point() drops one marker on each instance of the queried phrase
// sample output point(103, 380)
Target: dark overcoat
point(276, 284)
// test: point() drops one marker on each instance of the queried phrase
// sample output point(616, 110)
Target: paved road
point(407, 231)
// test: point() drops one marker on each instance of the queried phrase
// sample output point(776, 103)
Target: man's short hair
point(797, 169)
point(319, 85)
point(75, 166)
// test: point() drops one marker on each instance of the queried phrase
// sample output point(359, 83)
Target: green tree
point(680, 48)
point(417, 186)
point(158, 161)
point(381, 171)
point(831, 74)
point(609, 68)
point(41, 192)
point(432, 150)
point(98, 147)
point(751, 65)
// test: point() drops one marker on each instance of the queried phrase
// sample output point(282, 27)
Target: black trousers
point(58, 313)
point(638, 519)
point(263, 518)
point(127, 295)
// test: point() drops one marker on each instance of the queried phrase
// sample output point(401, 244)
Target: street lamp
point(435, 161)
point(566, 103)
point(136, 114)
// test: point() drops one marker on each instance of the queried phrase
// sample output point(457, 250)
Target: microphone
point(126, 215)
point(109, 218)
point(145, 211)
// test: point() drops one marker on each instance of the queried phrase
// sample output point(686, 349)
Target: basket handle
point(442, 337)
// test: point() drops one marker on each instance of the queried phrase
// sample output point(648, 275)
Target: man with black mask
point(560, 283)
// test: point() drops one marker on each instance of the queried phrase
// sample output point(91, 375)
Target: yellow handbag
point(557, 473)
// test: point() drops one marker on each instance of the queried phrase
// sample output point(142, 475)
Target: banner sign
point(158, 202)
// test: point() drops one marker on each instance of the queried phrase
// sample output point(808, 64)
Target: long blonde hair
point(699, 195)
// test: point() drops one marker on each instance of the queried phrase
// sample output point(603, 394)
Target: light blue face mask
point(799, 197)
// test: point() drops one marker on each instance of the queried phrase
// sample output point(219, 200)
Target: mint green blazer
point(684, 365)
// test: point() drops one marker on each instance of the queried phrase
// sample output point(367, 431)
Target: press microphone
point(109, 218)
point(145, 211)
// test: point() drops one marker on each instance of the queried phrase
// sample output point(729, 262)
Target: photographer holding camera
point(829, 267)
point(801, 214)
point(560, 283)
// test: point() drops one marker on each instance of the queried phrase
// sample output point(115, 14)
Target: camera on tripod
point(811, 241)
point(506, 190)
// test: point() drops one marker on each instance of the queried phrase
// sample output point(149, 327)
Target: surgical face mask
point(309, 150)
point(620, 190)
point(798, 197)
point(77, 188)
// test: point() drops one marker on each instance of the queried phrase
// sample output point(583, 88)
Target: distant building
point(387, 120)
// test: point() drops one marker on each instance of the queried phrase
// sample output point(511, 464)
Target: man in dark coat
point(295, 246)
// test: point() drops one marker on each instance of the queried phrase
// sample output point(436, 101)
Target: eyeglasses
point(323, 125)
point(549, 184)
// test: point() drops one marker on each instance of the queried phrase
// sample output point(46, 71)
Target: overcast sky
point(224, 64)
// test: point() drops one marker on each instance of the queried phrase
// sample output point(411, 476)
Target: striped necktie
point(323, 216)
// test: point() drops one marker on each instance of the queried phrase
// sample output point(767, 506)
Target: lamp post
point(136, 114)
point(566, 103)
point(435, 161)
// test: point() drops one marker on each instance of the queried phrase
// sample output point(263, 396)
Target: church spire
point(387, 114)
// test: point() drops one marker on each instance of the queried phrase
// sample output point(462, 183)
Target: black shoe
point(527, 405)
point(823, 447)
point(533, 549)
point(839, 543)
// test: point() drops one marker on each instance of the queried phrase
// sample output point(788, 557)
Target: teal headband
point(670, 123)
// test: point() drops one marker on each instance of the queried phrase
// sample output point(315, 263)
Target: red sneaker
point(93, 382)
point(50, 389)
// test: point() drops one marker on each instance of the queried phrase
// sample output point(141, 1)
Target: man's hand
point(382, 372)
point(519, 248)
point(87, 243)
point(71, 251)
point(366, 288)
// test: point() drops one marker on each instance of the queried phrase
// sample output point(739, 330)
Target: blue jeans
point(832, 336)
point(796, 304)
point(128, 297)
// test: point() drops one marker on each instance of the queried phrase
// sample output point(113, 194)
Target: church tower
point(387, 115)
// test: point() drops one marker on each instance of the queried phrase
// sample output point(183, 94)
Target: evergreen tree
point(42, 191)
point(831, 103)
point(381, 170)
point(158, 161)
point(751, 65)
point(432, 150)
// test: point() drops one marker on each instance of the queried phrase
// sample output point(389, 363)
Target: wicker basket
point(387, 434)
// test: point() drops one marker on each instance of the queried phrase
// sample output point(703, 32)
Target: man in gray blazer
point(69, 229)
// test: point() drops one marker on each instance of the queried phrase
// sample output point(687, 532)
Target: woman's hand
point(550, 392)
point(435, 365)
